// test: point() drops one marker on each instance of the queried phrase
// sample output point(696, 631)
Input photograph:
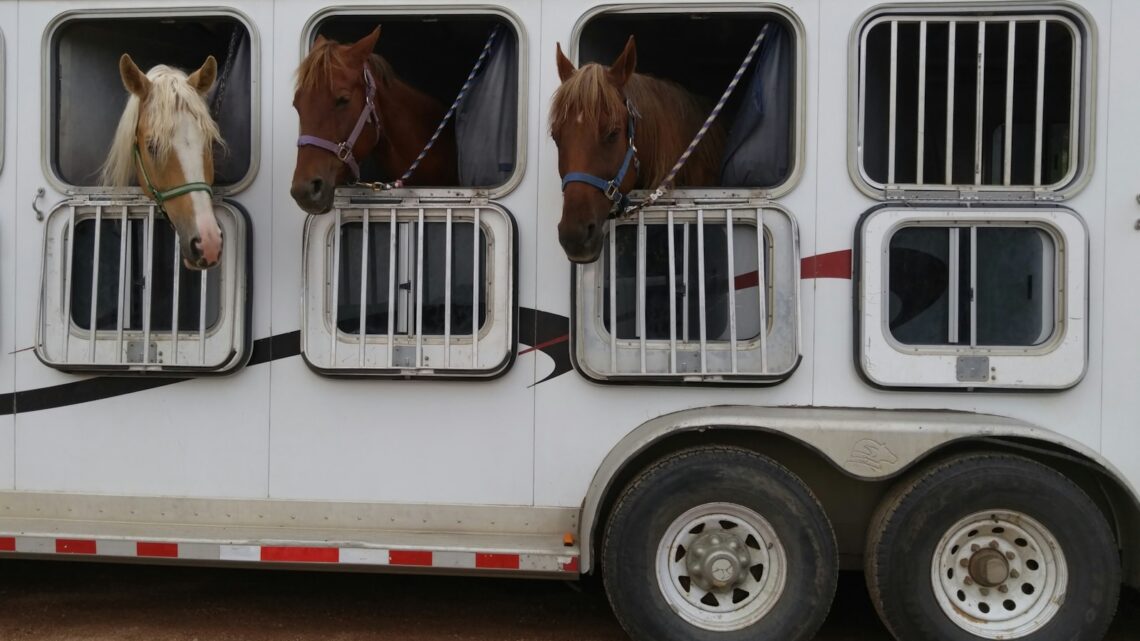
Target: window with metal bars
point(404, 291)
point(991, 101)
point(697, 294)
point(116, 296)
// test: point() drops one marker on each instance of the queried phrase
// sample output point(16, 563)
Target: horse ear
point(622, 68)
point(366, 45)
point(134, 79)
point(565, 67)
point(320, 40)
point(203, 78)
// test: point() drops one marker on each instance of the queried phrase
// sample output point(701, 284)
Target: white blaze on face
point(188, 145)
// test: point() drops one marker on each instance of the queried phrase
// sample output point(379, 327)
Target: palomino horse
point(165, 140)
point(617, 130)
point(352, 105)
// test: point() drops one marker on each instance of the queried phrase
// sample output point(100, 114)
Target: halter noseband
point(612, 188)
point(161, 196)
point(343, 150)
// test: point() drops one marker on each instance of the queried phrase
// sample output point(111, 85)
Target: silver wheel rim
point(999, 574)
point(720, 566)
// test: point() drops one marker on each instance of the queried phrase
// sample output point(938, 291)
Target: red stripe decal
point(158, 550)
point(497, 561)
point(7, 544)
point(74, 546)
point(829, 265)
point(545, 344)
point(296, 554)
point(409, 557)
point(571, 565)
point(744, 281)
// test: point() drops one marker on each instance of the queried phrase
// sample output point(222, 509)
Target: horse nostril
point(316, 188)
point(196, 246)
point(590, 229)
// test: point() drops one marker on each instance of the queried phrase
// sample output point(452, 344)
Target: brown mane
point(316, 70)
point(670, 117)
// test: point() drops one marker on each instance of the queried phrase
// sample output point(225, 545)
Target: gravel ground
point(72, 601)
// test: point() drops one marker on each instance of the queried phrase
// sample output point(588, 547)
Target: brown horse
point(589, 121)
point(352, 105)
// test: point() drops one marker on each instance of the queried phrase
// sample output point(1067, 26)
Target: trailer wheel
point(992, 547)
point(719, 544)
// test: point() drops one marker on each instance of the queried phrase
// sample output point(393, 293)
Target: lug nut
point(968, 581)
point(1014, 573)
point(1003, 588)
point(964, 563)
point(985, 591)
point(994, 544)
point(974, 547)
point(1009, 555)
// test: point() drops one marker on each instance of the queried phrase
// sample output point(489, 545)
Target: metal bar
point(447, 293)
point(979, 103)
point(950, 53)
point(95, 284)
point(762, 287)
point(335, 286)
point(613, 297)
point(892, 103)
point(1039, 125)
point(1007, 156)
point(124, 233)
point(701, 284)
point(67, 284)
point(420, 290)
point(477, 282)
point(731, 289)
point(203, 301)
point(641, 284)
point(365, 225)
point(672, 298)
point(148, 291)
point(954, 285)
point(685, 283)
point(175, 286)
point(973, 287)
point(392, 276)
point(921, 103)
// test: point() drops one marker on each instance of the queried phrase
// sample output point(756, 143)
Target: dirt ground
point(71, 601)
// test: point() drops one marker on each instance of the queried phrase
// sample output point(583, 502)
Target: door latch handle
point(39, 212)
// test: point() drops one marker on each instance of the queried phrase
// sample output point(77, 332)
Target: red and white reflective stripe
point(361, 556)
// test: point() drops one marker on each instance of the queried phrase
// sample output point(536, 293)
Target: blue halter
point(612, 188)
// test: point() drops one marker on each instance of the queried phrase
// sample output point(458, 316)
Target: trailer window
point(943, 293)
point(487, 124)
point(87, 95)
point(402, 291)
point(993, 100)
point(762, 119)
point(699, 295)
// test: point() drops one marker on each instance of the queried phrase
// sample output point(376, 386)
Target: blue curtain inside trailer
point(485, 124)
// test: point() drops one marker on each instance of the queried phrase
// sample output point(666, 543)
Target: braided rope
point(667, 183)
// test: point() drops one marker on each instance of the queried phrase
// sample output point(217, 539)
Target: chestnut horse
point(165, 141)
point(600, 159)
point(352, 105)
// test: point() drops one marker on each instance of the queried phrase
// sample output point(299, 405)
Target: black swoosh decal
point(548, 333)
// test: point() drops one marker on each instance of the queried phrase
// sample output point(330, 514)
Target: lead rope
point(399, 183)
point(667, 183)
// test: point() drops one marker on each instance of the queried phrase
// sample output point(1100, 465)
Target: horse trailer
point(883, 337)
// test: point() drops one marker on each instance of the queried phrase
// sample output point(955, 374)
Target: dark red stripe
point(830, 265)
point(409, 557)
point(74, 546)
point(744, 281)
point(497, 561)
point(159, 550)
point(545, 344)
point(298, 554)
point(7, 544)
point(571, 565)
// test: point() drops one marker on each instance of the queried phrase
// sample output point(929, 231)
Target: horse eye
point(341, 101)
point(152, 147)
point(612, 136)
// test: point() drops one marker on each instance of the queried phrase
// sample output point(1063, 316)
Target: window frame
point(1058, 363)
point(48, 128)
point(308, 35)
point(1081, 146)
point(799, 138)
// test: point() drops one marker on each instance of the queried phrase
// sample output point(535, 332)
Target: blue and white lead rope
point(446, 117)
point(668, 182)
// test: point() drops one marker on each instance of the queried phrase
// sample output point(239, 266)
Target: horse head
point(165, 140)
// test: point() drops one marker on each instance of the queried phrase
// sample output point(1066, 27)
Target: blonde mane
point(670, 117)
point(169, 95)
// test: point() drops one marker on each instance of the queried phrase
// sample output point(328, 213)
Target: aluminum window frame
point(799, 138)
point(1082, 123)
point(47, 95)
point(1056, 364)
point(309, 32)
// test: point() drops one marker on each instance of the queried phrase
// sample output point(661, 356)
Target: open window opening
point(691, 295)
point(761, 119)
point(965, 299)
point(986, 101)
point(487, 123)
point(410, 292)
point(87, 95)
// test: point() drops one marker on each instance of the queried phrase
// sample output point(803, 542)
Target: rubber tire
point(917, 513)
point(686, 479)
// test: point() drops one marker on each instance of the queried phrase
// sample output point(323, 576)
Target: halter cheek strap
point(343, 150)
point(612, 188)
point(161, 196)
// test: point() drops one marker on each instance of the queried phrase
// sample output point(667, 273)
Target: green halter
point(161, 197)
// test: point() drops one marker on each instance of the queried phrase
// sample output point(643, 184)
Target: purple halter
point(343, 150)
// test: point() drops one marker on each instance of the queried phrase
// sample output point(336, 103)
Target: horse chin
point(585, 258)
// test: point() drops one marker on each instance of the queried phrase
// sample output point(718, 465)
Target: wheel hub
point(718, 560)
point(989, 568)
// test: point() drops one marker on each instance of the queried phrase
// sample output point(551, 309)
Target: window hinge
point(894, 192)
